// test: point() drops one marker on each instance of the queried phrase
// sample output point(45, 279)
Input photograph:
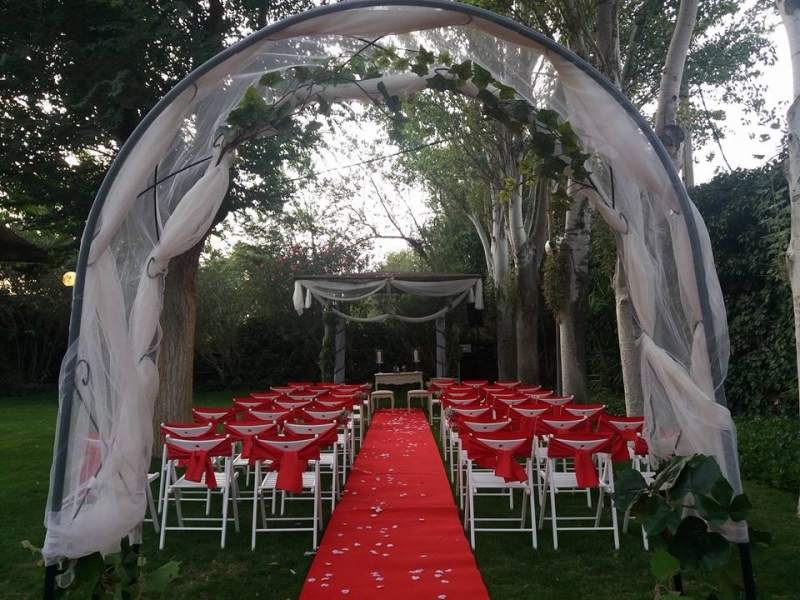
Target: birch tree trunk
point(669, 92)
point(176, 358)
point(527, 230)
point(506, 360)
point(572, 317)
point(496, 253)
point(608, 46)
point(790, 15)
point(628, 352)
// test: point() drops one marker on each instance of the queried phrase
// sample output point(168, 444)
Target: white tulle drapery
point(327, 291)
point(168, 180)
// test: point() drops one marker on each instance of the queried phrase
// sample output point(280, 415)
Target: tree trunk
point(667, 129)
point(506, 361)
point(572, 317)
point(628, 353)
point(790, 14)
point(527, 317)
point(176, 357)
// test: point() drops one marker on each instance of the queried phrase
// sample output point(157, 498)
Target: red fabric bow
point(197, 465)
point(290, 464)
point(585, 470)
point(502, 462)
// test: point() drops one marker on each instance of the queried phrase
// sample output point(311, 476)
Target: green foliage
point(686, 482)
point(749, 237)
point(555, 278)
point(121, 576)
point(768, 451)
point(34, 321)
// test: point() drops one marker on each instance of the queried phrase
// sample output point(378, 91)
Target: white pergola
point(332, 290)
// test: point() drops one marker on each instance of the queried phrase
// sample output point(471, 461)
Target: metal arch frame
point(68, 387)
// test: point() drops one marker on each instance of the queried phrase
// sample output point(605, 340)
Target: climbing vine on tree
point(556, 153)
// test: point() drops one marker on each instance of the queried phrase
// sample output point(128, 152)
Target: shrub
point(768, 451)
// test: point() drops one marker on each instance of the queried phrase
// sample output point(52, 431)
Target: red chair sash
point(290, 465)
point(502, 462)
point(198, 462)
point(585, 469)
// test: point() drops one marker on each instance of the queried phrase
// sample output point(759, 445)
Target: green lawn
point(585, 566)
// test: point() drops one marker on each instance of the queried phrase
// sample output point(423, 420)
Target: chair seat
point(271, 479)
point(489, 480)
point(183, 483)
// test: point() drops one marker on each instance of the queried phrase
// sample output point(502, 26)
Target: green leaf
point(156, 582)
point(629, 485)
point(89, 569)
point(440, 83)
point(462, 70)
point(711, 510)
point(506, 91)
point(481, 77)
point(663, 564)
point(271, 79)
point(661, 516)
point(421, 70)
point(739, 508)
point(759, 538)
point(669, 475)
point(704, 473)
point(697, 548)
point(722, 492)
point(445, 58)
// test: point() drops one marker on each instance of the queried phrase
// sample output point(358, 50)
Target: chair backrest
point(285, 444)
point(203, 414)
point(610, 424)
point(219, 445)
point(303, 395)
point(528, 389)
point(507, 445)
point(323, 415)
point(265, 395)
point(560, 424)
point(283, 389)
point(508, 384)
point(590, 411)
point(187, 430)
point(529, 410)
point(290, 404)
point(278, 415)
point(554, 400)
point(248, 403)
point(325, 432)
point(565, 445)
point(468, 401)
point(475, 383)
point(461, 412)
point(536, 394)
point(472, 426)
point(244, 429)
point(300, 385)
point(509, 399)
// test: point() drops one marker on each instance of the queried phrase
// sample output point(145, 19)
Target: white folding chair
point(591, 457)
point(294, 468)
point(197, 455)
point(329, 446)
point(497, 452)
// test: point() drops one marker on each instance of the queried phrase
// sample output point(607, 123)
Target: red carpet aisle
point(396, 533)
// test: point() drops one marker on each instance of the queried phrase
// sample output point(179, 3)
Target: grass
point(584, 566)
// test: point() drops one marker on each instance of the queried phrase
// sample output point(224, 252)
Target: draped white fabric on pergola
point(354, 288)
point(163, 190)
point(330, 290)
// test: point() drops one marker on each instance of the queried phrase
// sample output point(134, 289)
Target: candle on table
point(379, 357)
point(416, 356)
